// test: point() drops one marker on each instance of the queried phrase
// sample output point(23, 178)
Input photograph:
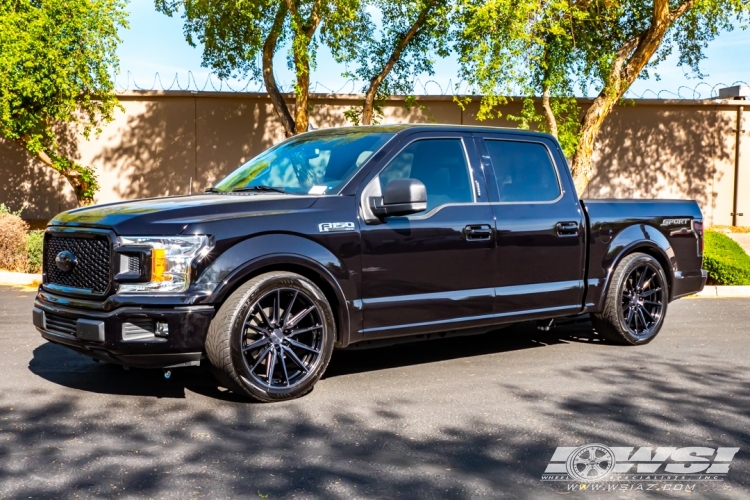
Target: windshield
point(318, 163)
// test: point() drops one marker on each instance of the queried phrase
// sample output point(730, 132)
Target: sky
point(155, 44)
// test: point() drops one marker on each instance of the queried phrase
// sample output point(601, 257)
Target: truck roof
point(400, 127)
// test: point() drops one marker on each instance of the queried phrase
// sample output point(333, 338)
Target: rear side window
point(524, 171)
point(440, 164)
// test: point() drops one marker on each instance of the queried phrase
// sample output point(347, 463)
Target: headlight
point(171, 257)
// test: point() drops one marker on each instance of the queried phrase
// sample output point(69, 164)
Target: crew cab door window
point(524, 171)
point(440, 164)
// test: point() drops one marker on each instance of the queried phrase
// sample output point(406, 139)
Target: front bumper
point(123, 335)
point(688, 283)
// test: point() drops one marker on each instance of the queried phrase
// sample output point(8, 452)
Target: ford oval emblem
point(65, 261)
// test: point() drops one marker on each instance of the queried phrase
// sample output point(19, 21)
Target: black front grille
point(60, 324)
point(91, 271)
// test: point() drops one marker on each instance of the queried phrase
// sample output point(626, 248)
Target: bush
point(6, 210)
point(13, 242)
point(34, 248)
point(726, 261)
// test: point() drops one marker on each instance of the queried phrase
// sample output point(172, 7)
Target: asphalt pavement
point(470, 417)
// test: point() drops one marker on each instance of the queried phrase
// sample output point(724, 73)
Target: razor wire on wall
point(212, 83)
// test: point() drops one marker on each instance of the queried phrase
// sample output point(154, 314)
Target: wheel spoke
point(283, 366)
point(643, 310)
point(641, 277)
point(304, 330)
point(650, 292)
point(301, 345)
point(296, 319)
point(288, 310)
point(263, 315)
point(256, 344)
point(635, 321)
point(261, 356)
point(629, 319)
point(277, 307)
point(643, 319)
point(270, 365)
point(294, 358)
point(255, 328)
point(652, 302)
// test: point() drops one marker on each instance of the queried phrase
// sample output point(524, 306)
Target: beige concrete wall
point(647, 148)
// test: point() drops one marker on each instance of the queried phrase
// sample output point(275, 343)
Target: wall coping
point(140, 94)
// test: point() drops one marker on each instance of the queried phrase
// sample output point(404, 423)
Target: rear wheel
point(273, 337)
point(636, 302)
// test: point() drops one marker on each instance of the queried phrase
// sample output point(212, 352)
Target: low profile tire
point(636, 302)
point(273, 337)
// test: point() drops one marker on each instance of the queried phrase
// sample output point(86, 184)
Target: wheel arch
point(632, 240)
point(314, 262)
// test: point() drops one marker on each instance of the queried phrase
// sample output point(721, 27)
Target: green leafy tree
point(604, 44)
point(411, 34)
point(237, 34)
point(56, 62)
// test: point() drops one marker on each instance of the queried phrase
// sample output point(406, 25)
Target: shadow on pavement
point(67, 368)
point(176, 449)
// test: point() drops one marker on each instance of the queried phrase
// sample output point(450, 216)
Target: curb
point(723, 291)
point(9, 278)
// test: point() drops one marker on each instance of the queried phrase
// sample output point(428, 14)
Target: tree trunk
point(303, 34)
point(629, 62)
point(549, 116)
point(302, 91)
point(377, 80)
point(269, 48)
point(74, 177)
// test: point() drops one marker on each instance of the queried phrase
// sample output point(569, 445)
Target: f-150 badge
point(329, 227)
point(674, 222)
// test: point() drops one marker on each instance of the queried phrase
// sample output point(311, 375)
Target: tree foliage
point(240, 38)
point(56, 62)
point(548, 48)
point(392, 51)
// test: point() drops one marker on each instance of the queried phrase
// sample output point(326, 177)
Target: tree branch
point(269, 48)
point(377, 80)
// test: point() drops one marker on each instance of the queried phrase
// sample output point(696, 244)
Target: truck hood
point(170, 216)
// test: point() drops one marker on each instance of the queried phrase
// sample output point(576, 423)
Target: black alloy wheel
point(636, 301)
point(642, 300)
point(272, 338)
point(283, 339)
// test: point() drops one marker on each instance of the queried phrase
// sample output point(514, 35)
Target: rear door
point(541, 233)
point(433, 270)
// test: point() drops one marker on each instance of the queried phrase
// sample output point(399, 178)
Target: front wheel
point(636, 302)
point(273, 337)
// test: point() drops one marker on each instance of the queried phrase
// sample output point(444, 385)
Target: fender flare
point(247, 258)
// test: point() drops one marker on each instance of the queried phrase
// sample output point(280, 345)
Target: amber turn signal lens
point(158, 264)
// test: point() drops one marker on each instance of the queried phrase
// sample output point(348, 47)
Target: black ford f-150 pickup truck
point(353, 236)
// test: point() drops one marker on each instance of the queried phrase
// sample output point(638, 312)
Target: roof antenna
point(310, 126)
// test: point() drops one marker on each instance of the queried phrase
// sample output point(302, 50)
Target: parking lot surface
point(469, 417)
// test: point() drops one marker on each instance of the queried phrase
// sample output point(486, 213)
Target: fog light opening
point(162, 329)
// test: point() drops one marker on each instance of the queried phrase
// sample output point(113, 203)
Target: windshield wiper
point(213, 190)
point(258, 188)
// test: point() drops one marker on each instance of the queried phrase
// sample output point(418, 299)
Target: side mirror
point(400, 197)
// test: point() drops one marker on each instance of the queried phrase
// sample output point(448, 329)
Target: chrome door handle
point(567, 228)
point(474, 232)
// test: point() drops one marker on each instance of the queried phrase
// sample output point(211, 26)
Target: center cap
point(277, 335)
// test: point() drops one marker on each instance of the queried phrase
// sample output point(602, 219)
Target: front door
point(432, 270)
point(541, 233)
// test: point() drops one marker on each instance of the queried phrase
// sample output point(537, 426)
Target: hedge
point(726, 261)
